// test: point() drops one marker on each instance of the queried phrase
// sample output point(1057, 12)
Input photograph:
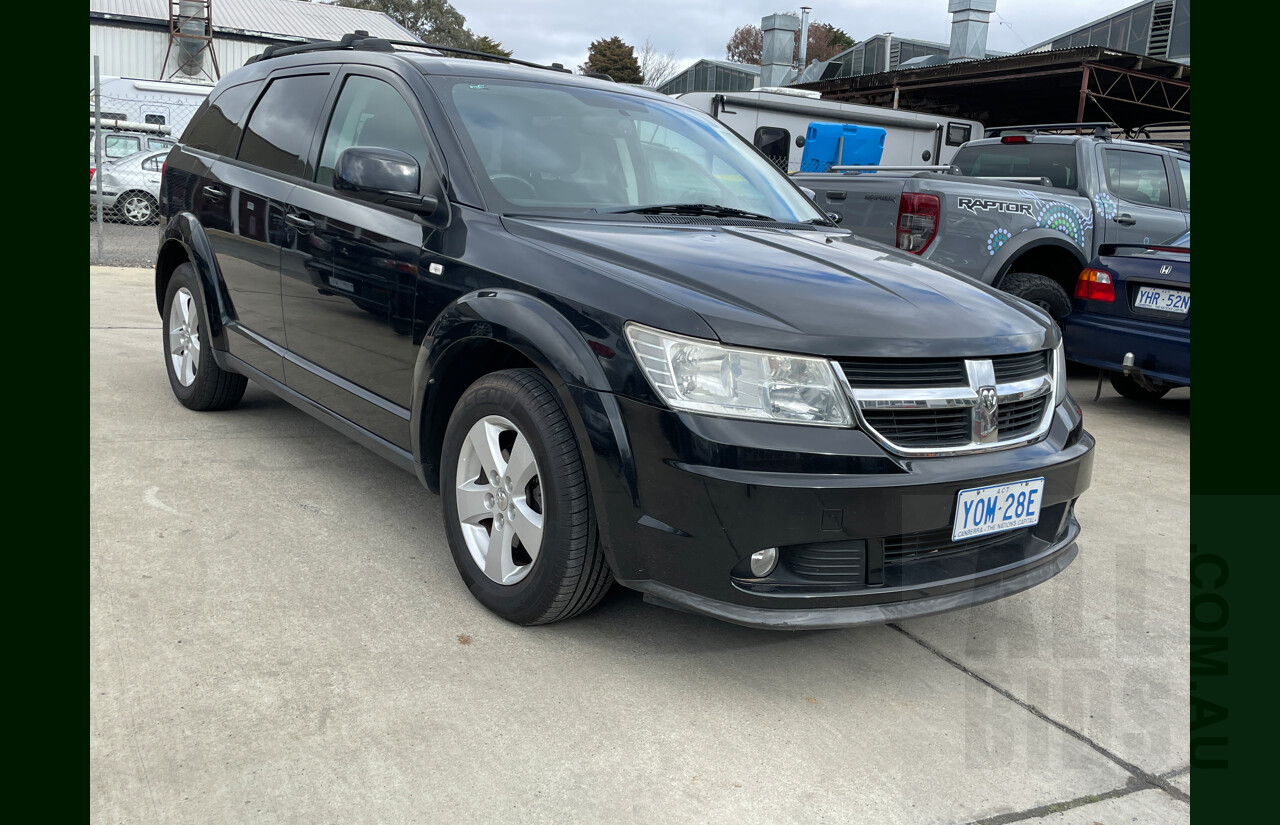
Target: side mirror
point(835, 217)
point(385, 176)
point(809, 193)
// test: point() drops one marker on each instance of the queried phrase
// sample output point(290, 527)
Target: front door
point(352, 269)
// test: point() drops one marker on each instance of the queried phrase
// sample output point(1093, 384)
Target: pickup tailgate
point(866, 204)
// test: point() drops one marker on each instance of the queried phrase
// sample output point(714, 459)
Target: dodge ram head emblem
point(986, 416)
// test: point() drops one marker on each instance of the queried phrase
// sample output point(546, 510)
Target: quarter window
point(215, 126)
point(278, 135)
point(370, 112)
point(154, 163)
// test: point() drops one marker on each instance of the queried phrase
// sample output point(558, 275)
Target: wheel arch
point(183, 241)
point(1041, 252)
point(491, 330)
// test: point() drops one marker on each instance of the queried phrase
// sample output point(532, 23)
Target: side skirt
point(401, 458)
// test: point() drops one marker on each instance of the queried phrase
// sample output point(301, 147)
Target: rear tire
point(517, 510)
point(197, 380)
point(1130, 388)
point(1042, 291)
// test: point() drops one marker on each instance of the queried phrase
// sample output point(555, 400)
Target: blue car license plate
point(982, 510)
point(1165, 300)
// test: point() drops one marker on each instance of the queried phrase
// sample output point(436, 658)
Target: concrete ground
point(278, 634)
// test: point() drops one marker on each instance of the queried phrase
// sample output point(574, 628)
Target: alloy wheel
point(184, 337)
point(499, 495)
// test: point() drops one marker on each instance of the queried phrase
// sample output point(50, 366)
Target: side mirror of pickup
point(388, 177)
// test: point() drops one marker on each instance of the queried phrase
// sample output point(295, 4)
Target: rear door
point(1146, 197)
point(245, 199)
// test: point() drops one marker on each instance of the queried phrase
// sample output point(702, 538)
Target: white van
point(776, 121)
point(161, 103)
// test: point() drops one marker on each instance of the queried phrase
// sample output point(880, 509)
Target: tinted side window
point(1137, 177)
point(775, 144)
point(215, 125)
point(370, 113)
point(279, 131)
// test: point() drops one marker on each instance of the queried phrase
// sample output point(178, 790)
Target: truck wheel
point(1148, 390)
point(517, 510)
point(197, 381)
point(1039, 290)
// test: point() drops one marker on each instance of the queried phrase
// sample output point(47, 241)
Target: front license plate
point(999, 507)
point(1165, 300)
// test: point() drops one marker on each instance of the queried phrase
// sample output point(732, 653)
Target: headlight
point(1059, 374)
point(703, 376)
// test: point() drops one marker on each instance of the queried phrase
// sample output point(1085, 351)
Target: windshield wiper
point(708, 209)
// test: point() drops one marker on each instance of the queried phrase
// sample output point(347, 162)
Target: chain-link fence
point(133, 124)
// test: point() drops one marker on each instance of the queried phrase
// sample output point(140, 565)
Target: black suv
point(617, 341)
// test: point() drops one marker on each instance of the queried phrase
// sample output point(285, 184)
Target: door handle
point(1124, 219)
point(214, 193)
point(299, 222)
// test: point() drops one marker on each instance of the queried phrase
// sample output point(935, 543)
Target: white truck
point(776, 122)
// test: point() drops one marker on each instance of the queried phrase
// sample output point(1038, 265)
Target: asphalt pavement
point(123, 244)
point(278, 634)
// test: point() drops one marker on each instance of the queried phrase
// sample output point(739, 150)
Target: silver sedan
point(130, 187)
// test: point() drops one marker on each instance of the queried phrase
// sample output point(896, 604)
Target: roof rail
point(360, 40)
point(997, 131)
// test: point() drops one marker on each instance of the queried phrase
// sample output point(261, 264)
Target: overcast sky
point(547, 31)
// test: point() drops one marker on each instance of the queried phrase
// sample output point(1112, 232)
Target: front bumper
point(1160, 351)
point(863, 535)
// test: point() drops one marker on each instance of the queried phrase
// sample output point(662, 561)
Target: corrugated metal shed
point(284, 20)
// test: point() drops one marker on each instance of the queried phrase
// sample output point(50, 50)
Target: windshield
point(563, 148)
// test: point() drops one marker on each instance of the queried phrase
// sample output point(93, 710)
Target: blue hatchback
point(1132, 317)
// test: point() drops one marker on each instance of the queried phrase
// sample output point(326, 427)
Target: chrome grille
point(904, 372)
point(1010, 368)
point(930, 405)
point(912, 428)
point(1021, 417)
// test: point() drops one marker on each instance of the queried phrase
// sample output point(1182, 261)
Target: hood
point(803, 291)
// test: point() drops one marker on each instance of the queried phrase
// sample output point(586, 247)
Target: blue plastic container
point(863, 146)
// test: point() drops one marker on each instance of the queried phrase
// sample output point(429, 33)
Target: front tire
point(517, 510)
point(197, 381)
point(1042, 291)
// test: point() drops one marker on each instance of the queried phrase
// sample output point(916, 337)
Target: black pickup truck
point(617, 340)
point(1023, 212)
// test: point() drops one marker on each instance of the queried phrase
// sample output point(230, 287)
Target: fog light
point(763, 562)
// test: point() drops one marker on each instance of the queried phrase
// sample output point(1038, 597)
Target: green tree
point(434, 21)
point(485, 43)
point(614, 58)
